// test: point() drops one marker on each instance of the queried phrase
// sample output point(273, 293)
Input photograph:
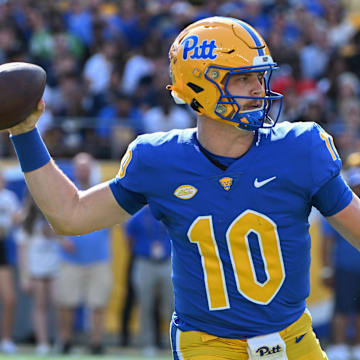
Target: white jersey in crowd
point(42, 251)
point(9, 205)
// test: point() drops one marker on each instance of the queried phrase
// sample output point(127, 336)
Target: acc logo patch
point(203, 51)
point(226, 183)
point(185, 192)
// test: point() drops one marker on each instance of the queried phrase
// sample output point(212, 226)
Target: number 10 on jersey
point(201, 232)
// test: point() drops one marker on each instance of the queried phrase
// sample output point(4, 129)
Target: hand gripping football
point(21, 88)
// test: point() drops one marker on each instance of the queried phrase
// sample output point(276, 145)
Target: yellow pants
point(299, 337)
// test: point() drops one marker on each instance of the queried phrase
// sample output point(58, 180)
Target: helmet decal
point(258, 43)
point(203, 51)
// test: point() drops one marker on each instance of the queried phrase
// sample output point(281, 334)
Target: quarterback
point(235, 194)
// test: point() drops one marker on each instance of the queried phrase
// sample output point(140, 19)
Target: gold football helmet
point(203, 58)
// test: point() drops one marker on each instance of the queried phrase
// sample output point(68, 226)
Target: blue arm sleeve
point(130, 201)
point(332, 197)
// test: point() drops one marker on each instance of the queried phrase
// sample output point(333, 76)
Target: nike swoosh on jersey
point(259, 184)
point(299, 338)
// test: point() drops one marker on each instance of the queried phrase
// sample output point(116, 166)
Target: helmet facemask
point(229, 109)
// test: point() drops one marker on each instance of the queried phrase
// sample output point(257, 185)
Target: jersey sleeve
point(325, 163)
point(332, 197)
point(128, 186)
point(330, 193)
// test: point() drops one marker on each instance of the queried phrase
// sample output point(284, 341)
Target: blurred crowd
point(107, 64)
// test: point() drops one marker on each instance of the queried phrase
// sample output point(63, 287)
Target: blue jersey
point(240, 239)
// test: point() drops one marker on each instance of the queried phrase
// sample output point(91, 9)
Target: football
point(21, 88)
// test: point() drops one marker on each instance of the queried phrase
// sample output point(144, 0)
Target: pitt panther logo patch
point(185, 192)
point(265, 350)
point(226, 183)
point(203, 51)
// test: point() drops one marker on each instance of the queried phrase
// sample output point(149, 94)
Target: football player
point(235, 194)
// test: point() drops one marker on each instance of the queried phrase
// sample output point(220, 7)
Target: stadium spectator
point(351, 53)
point(9, 209)
point(70, 98)
point(255, 15)
point(41, 44)
point(340, 28)
point(341, 272)
point(38, 258)
point(118, 122)
point(347, 129)
point(348, 91)
point(138, 66)
point(314, 57)
point(151, 273)
point(98, 68)
point(8, 40)
point(166, 116)
point(65, 42)
point(135, 24)
point(85, 273)
point(79, 21)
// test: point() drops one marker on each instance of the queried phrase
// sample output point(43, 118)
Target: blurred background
point(107, 68)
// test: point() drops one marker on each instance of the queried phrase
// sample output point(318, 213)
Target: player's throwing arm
point(68, 210)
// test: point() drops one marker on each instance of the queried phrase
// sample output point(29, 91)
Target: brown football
point(21, 88)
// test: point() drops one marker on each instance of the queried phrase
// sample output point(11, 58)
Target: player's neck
point(223, 139)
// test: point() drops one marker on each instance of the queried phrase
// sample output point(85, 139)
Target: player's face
point(247, 84)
